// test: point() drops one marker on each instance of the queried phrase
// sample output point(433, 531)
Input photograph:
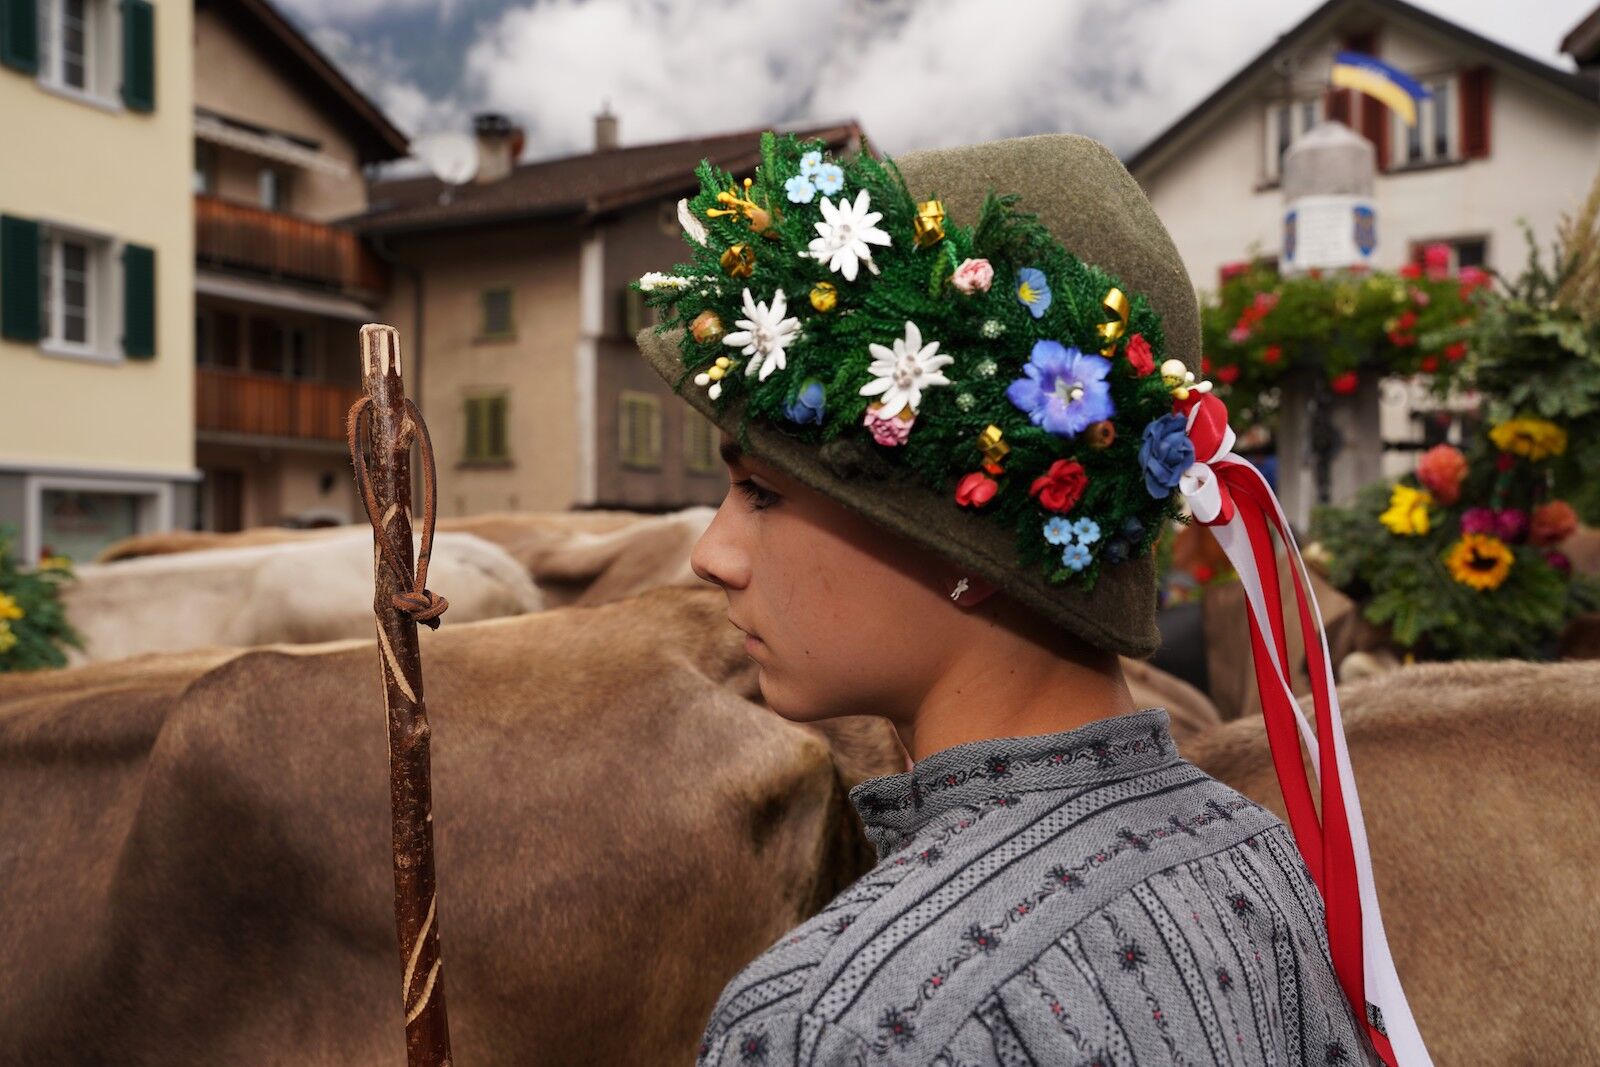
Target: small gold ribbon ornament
point(739, 261)
point(928, 228)
point(1116, 302)
point(993, 448)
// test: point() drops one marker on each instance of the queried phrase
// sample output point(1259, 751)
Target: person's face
point(843, 617)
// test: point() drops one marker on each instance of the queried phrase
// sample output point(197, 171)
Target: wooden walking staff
point(400, 601)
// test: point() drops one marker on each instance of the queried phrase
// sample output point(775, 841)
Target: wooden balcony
point(283, 247)
point(261, 406)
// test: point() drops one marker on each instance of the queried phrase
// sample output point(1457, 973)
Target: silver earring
point(961, 587)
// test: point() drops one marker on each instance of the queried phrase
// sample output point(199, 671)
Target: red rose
point(1271, 354)
point(1346, 383)
point(1139, 355)
point(1060, 487)
point(976, 489)
point(1228, 374)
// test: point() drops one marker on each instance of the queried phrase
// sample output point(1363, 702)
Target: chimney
point(499, 144)
point(605, 130)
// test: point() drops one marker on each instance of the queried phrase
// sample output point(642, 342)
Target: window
point(635, 313)
point(497, 319)
point(270, 187)
point(485, 418)
point(1432, 139)
point(699, 443)
point(639, 429)
point(78, 48)
point(1286, 123)
point(205, 168)
point(74, 293)
point(77, 517)
point(1464, 251)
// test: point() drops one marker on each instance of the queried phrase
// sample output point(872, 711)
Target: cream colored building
point(96, 272)
point(281, 138)
point(1503, 138)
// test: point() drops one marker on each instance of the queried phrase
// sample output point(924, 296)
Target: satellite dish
point(450, 155)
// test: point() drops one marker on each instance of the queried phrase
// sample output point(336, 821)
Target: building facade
point(280, 140)
point(96, 272)
point(511, 295)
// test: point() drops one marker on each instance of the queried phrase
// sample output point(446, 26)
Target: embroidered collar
point(991, 771)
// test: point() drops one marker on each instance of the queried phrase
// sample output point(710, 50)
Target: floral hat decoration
point(978, 356)
point(964, 379)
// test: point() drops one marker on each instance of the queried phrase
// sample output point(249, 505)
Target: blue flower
point(1064, 390)
point(1165, 453)
point(829, 178)
point(800, 189)
point(1058, 531)
point(808, 404)
point(810, 162)
point(1075, 556)
point(1033, 291)
point(1087, 531)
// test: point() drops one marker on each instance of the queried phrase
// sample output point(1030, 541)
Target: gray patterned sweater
point(1079, 898)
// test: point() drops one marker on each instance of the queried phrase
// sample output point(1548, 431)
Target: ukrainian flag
point(1395, 88)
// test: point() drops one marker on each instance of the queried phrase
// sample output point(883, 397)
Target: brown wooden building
point(512, 296)
point(280, 142)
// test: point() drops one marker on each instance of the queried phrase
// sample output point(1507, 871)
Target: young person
point(954, 428)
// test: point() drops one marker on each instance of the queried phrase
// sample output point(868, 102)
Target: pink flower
point(1436, 260)
point(891, 431)
point(1558, 560)
point(973, 276)
point(1473, 279)
point(1511, 525)
point(1239, 334)
point(1552, 523)
point(1441, 470)
point(1139, 355)
point(1477, 521)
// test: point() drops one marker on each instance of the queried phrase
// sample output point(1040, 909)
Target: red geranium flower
point(1060, 487)
point(1455, 351)
point(1411, 270)
point(1228, 374)
point(1205, 364)
point(1139, 355)
point(1429, 364)
point(1271, 354)
point(1346, 383)
point(976, 489)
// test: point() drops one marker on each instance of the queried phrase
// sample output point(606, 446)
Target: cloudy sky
point(916, 73)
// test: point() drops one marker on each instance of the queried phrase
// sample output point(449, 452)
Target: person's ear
point(967, 591)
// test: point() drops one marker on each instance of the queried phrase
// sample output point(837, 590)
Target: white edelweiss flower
point(691, 225)
point(903, 372)
point(654, 280)
point(764, 334)
point(845, 232)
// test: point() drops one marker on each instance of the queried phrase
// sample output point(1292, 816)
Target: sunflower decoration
point(1532, 439)
point(978, 355)
point(1481, 561)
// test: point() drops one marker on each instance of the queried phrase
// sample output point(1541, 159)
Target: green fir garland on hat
point(978, 354)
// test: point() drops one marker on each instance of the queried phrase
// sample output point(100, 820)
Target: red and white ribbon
point(1228, 494)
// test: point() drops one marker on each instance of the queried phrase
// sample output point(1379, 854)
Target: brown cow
point(197, 865)
point(1479, 791)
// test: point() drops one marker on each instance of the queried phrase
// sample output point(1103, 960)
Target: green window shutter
point(138, 301)
point(19, 279)
point(19, 35)
point(138, 55)
point(474, 423)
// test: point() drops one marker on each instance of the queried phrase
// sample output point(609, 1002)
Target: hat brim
point(1118, 615)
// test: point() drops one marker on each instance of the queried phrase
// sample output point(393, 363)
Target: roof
point(292, 54)
point(1582, 43)
point(590, 184)
point(1575, 86)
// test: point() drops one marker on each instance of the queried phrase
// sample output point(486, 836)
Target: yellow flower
point(1408, 511)
point(1479, 560)
point(1534, 438)
point(9, 608)
point(55, 563)
point(8, 639)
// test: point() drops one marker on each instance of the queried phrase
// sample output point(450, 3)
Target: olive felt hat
point(1017, 300)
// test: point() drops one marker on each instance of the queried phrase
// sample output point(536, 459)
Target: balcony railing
point(258, 405)
point(284, 247)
